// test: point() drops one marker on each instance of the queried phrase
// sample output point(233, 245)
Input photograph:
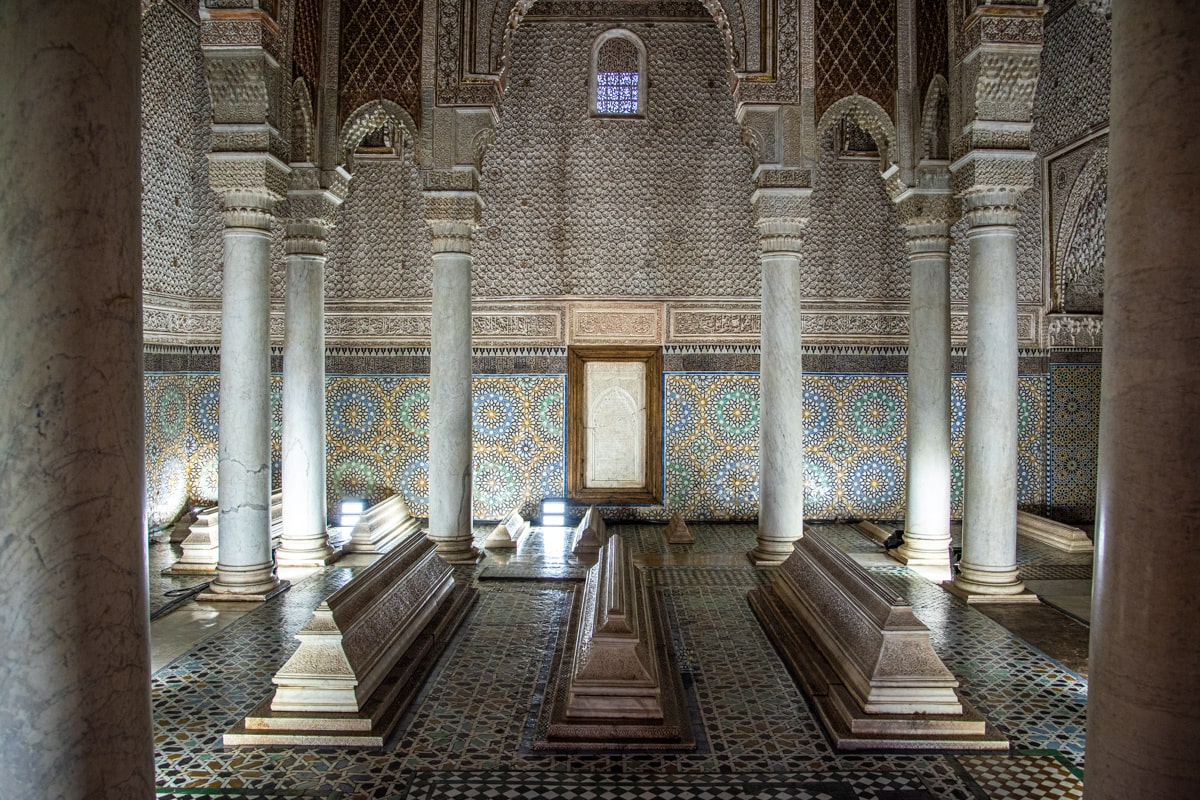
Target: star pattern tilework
point(1074, 440)
point(855, 441)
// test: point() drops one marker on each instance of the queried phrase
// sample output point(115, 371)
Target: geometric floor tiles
point(468, 734)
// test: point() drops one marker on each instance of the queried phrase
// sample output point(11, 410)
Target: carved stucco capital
point(248, 208)
point(782, 217)
point(453, 217)
point(307, 236)
point(986, 206)
point(927, 236)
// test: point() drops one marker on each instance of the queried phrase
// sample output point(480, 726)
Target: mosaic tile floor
point(467, 735)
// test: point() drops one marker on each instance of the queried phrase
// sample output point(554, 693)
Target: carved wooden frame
point(650, 492)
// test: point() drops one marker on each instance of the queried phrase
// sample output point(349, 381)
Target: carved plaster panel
point(1075, 330)
point(615, 323)
point(562, 321)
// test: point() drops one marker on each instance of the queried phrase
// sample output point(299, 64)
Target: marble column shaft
point(244, 565)
point(305, 539)
point(781, 396)
point(1143, 726)
point(989, 560)
point(927, 513)
point(450, 515)
point(75, 661)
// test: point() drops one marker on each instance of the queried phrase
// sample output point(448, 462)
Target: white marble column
point(927, 513)
point(988, 570)
point(450, 517)
point(305, 540)
point(1143, 723)
point(75, 657)
point(781, 390)
point(245, 569)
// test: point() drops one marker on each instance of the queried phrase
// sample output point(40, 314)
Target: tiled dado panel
point(378, 442)
point(181, 441)
point(1074, 440)
point(377, 445)
point(854, 441)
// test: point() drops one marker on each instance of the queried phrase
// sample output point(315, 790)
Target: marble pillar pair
point(75, 661)
point(246, 565)
point(988, 568)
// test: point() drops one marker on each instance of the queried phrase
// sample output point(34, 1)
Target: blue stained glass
point(616, 92)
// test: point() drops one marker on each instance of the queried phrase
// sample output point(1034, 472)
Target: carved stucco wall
point(1071, 105)
point(181, 229)
point(1072, 92)
point(380, 246)
point(854, 247)
point(583, 206)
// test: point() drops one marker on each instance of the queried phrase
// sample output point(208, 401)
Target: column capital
point(927, 236)
point(248, 208)
point(453, 217)
point(312, 203)
point(306, 236)
point(248, 173)
point(782, 216)
point(992, 205)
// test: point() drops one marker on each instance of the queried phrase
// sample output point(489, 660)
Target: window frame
point(594, 80)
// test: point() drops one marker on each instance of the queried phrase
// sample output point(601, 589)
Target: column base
point(213, 595)
point(761, 557)
point(252, 583)
point(923, 553)
point(976, 586)
point(308, 557)
point(457, 550)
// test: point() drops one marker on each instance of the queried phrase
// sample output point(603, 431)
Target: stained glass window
point(618, 79)
point(616, 92)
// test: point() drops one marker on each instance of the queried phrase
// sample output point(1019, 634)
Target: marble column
point(988, 570)
point(75, 661)
point(1143, 726)
point(245, 568)
point(781, 390)
point(305, 540)
point(450, 517)
point(927, 512)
